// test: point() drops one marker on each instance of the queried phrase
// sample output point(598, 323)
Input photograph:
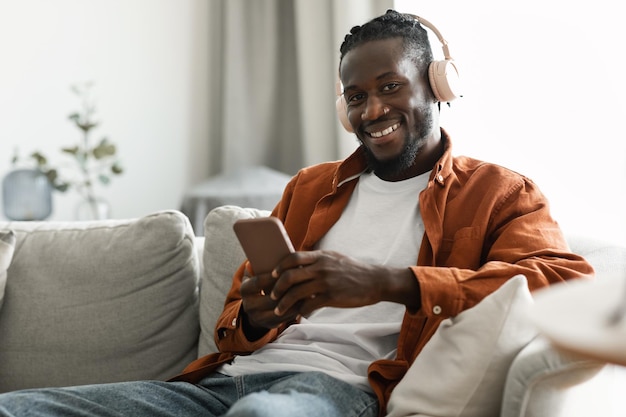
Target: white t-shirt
point(381, 225)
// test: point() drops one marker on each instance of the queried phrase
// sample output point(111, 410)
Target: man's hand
point(306, 281)
point(258, 306)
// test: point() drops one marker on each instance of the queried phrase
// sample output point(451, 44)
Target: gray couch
point(117, 300)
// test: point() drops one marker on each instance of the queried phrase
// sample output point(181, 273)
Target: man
point(391, 241)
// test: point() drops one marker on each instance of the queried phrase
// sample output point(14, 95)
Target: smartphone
point(264, 241)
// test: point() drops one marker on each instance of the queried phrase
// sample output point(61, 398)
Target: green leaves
point(72, 151)
point(104, 179)
point(41, 160)
point(104, 149)
point(116, 168)
point(51, 174)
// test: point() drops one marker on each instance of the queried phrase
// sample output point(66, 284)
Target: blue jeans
point(280, 394)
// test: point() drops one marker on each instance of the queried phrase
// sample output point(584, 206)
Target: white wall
point(544, 95)
point(148, 59)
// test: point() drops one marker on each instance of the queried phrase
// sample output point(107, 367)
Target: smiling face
point(391, 108)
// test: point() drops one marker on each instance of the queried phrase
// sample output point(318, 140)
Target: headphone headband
point(444, 43)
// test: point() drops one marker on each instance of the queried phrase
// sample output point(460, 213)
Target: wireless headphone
point(443, 76)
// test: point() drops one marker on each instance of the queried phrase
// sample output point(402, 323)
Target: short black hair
point(392, 25)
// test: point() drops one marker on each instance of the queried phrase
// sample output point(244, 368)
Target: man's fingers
point(299, 297)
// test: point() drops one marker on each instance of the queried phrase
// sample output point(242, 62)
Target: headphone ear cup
point(444, 80)
point(341, 106)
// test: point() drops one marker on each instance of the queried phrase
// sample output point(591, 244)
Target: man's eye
point(355, 98)
point(390, 86)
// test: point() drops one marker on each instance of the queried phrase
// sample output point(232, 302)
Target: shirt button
point(234, 322)
point(436, 310)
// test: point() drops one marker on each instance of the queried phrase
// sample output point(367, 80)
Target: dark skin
point(377, 75)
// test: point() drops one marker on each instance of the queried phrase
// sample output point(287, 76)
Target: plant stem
point(84, 152)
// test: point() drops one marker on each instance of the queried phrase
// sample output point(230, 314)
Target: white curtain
point(272, 81)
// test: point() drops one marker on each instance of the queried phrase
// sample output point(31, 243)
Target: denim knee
point(284, 404)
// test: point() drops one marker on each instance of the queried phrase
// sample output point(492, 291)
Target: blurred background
point(188, 90)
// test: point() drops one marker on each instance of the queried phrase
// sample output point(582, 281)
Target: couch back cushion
point(7, 247)
point(99, 301)
point(607, 258)
point(221, 258)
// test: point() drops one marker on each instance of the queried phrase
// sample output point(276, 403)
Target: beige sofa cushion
point(221, 258)
point(90, 302)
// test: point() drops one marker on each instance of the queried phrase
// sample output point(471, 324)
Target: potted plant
point(91, 162)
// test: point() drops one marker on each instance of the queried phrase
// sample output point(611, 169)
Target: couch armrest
point(541, 381)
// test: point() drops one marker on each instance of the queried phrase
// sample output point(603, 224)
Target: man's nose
point(374, 109)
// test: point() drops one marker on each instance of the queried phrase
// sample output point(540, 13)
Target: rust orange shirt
point(483, 225)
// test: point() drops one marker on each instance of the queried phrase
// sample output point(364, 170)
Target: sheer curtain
point(272, 81)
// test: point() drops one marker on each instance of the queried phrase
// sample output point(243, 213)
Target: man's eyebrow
point(378, 78)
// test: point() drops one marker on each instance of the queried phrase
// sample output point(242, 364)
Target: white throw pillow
point(7, 247)
point(462, 370)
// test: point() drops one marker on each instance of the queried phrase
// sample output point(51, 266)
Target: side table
point(258, 187)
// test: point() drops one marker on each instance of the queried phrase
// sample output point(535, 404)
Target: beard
point(413, 144)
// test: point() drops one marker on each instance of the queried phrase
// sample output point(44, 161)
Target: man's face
point(389, 104)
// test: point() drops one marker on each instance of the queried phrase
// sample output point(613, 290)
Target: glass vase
point(93, 208)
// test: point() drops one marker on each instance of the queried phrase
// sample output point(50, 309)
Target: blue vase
point(26, 195)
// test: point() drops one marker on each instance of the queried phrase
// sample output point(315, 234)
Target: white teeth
point(385, 132)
